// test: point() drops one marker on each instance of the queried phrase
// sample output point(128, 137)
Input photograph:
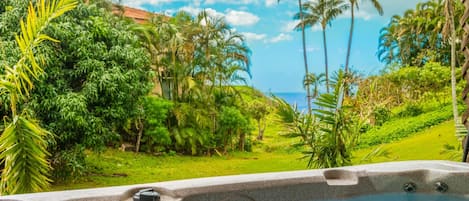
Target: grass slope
point(114, 167)
point(424, 145)
point(400, 128)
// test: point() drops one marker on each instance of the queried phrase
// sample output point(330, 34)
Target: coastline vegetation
point(128, 103)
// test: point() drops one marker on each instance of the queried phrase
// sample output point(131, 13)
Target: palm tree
point(449, 29)
point(305, 54)
point(414, 39)
point(322, 12)
point(465, 94)
point(316, 81)
point(353, 5)
point(23, 148)
point(330, 146)
point(388, 41)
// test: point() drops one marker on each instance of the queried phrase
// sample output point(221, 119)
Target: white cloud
point(209, 2)
point(316, 27)
point(191, 10)
point(241, 18)
point(196, 3)
point(397, 6)
point(195, 11)
point(233, 17)
point(281, 37)
point(290, 26)
point(364, 13)
point(270, 3)
point(367, 11)
point(140, 3)
point(254, 36)
point(213, 13)
point(310, 49)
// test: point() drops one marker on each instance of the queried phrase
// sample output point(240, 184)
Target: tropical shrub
point(23, 147)
point(411, 110)
point(414, 40)
point(233, 124)
point(93, 81)
point(381, 115)
point(402, 127)
point(338, 131)
point(69, 164)
point(196, 61)
point(156, 136)
point(258, 110)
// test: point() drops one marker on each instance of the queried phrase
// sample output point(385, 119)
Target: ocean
point(298, 98)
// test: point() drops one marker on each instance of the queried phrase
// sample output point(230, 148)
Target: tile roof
point(140, 16)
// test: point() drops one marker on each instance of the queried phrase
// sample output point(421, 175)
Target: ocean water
point(297, 98)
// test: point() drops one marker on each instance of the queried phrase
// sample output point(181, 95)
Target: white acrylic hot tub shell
point(288, 186)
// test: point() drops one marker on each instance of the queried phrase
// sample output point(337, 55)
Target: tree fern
point(22, 145)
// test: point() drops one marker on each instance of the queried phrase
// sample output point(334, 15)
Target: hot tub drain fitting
point(410, 187)
point(441, 187)
point(146, 195)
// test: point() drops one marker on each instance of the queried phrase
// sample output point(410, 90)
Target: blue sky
point(277, 57)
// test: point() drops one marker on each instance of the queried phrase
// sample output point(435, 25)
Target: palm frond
point(31, 36)
point(23, 150)
point(22, 145)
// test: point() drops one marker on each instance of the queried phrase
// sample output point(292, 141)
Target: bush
point(68, 164)
point(248, 145)
point(403, 127)
point(381, 115)
point(155, 134)
point(411, 110)
point(232, 124)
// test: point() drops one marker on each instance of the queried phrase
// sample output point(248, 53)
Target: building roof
point(140, 16)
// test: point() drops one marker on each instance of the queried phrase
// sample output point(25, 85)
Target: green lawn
point(425, 145)
point(114, 167)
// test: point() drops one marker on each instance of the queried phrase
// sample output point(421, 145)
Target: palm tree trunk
point(453, 65)
point(453, 77)
point(305, 56)
point(325, 58)
point(349, 47)
point(464, 117)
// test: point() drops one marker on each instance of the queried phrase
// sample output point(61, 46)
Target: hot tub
point(395, 181)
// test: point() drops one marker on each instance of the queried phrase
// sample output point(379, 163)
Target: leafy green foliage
point(400, 128)
point(196, 61)
point(285, 111)
point(156, 135)
point(258, 110)
point(381, 115)
point(411, 110)
point(193, 130)
point(95, 79)
point(297, 123)
point(23, 146)
point(69, 164)
point(23, 150)
point(331, 144)
point(405, 85)
point(92, 82)
point(415, 38)
point(233, 123)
